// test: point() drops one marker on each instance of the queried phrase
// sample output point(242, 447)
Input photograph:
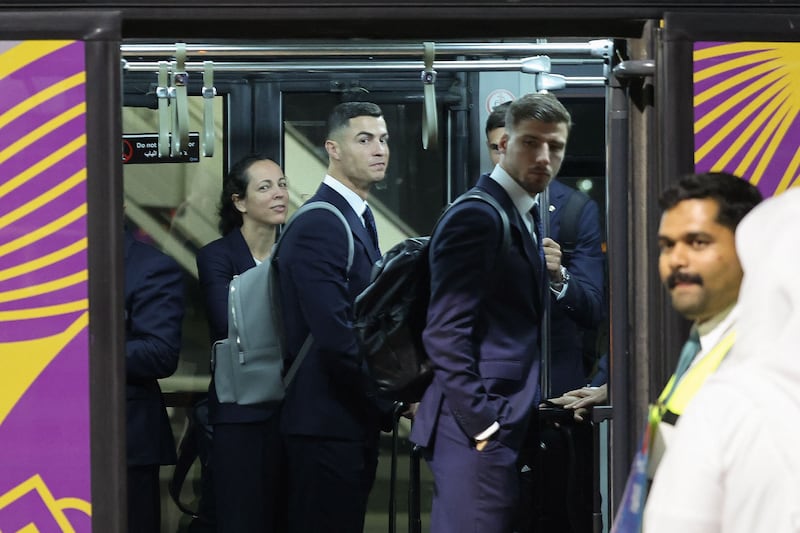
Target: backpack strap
point(568, 230)
point(480, 194)
point(304, 349)
point(328, 207)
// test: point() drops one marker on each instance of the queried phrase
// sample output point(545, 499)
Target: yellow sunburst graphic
point(746, 107)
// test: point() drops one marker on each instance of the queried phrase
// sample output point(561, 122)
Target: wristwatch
point(558, 286)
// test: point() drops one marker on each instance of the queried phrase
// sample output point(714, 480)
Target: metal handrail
point(529, 65)
point(598, 48)
point(372, 66)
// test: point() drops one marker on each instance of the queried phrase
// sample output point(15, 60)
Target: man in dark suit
point(153, 316)
point(550, 497)
point(330, 421)
point(483, 331)
point(579, 304)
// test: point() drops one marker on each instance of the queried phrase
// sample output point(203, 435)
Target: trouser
point(248, 472)
point(329, 483)
point(474, 491)
point(144, 499)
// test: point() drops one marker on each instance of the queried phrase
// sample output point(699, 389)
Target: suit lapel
point(558, 192)
point(357, 228)
point(518, 226)
point(243, 259)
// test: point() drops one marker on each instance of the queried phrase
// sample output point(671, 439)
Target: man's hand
point(552, 256)
point(579, 400)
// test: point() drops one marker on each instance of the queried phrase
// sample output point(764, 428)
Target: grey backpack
point(248, 365)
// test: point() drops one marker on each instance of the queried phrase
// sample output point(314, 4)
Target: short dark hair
point(543, 107)
point(235, 182)
point(497, 118)
point(342, 113)
point(734, 195)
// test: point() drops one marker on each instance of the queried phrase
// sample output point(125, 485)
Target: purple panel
point(33, 188)
point(54, 241)
point(45, 435)
point(779, 162)
point(49, 434)
point(29, 509)
point(45, 327)
point(62, 296)
point(41, 114)
point(44, 147)
point(67, 266)
point(40, 74)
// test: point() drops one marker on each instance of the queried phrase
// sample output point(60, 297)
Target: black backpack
point(390, 314)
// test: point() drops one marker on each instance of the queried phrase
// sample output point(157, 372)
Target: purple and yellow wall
point(44, 308)
point(746, 104)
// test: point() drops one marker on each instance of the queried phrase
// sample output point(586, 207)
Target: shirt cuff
point(560, 289)
point(488, 432)
point(559, 292)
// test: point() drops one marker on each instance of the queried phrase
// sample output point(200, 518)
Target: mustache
point(683, 277)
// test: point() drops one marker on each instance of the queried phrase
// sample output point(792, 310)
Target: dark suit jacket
point(583, 305)
point(217, 263)
point(330, 395)
point(153, 315)
point(483, 322)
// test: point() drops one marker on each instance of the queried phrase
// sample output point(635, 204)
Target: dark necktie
point(369, 223)
point(537, 230)
point(689, 351)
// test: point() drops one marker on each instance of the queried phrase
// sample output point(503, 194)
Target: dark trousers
point(329, 482)
point(144, 499)
point(474, 491)
point(248, 472)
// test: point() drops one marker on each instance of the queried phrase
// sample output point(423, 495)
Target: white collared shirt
point(712, 331)
point(354, 200)
point(519, 197)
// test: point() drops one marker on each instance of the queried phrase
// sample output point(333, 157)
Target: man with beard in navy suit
point(483, 327)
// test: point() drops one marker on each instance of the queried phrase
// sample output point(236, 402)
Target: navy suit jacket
point(583, 305)
point(154, 309)
point(482, 333)
point(217, 263)
point(330, 395)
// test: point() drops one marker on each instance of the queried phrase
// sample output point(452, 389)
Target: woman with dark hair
point(246, 458)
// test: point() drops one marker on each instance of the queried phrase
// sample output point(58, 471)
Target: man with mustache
point(732, 464)
point(699, 267)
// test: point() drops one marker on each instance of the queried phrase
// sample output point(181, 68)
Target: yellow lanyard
point(675, 401)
